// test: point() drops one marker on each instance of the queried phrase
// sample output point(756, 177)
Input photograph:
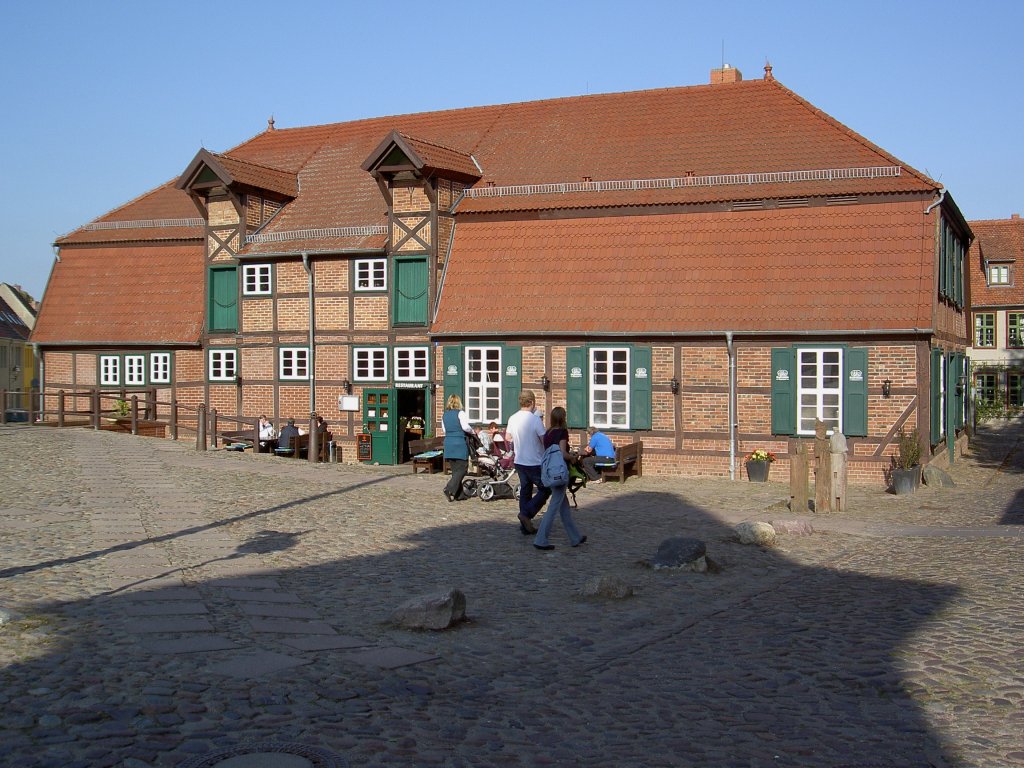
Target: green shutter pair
point(956, 373)
point(855, 391)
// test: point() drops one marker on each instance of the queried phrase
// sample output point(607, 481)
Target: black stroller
point(495, 481)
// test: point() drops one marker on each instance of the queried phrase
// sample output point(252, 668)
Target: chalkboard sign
point(364, 448)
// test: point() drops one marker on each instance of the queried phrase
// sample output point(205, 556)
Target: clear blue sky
point(102, 101)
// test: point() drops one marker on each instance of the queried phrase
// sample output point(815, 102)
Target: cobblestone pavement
point(164, 605)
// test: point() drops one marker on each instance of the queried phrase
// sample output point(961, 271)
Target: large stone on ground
point(793, 527)
point(610, 586)
point(440, 610)
point(683, 553)
point(937, 478)
point(756, 532)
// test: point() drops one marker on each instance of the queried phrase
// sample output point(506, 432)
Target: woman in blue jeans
point(558, 434)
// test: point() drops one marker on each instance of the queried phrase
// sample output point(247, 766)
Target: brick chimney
point(726, 74)
point(1014, 215)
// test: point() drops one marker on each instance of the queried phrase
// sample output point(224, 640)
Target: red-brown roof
point(1000, 240)
point(755, 271)
point(259, 176)
point(149, 294)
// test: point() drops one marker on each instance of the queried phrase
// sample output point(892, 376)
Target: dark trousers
point(593, 473)
point(459, 469)
point(529, 503)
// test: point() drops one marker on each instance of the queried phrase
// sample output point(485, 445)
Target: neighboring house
point(997, 305)
point(708, 269)
point(17, 359)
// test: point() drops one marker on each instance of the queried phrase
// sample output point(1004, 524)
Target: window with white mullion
point(371, 274)
point(223, 364)
point(160, 368)
point(411, 364)
point(294, 363)
point(483, 384)
point(370, 364)
point(609, 388)
point(134, 370)
point(256, 279)
point(110, 370)
point(819, 388)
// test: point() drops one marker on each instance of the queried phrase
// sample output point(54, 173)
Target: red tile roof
point(774, 270)
point(997, 240)
point(259, 176)
point(148, 294)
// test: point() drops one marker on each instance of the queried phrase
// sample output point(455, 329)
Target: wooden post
point(151, 404)
point(799, 486)
point(174, 419)
point(822, 470)
point(135, 414)
point(60, 408)
point(213, 428)
point(3, 406)
point(838, 450)
point(94, 407)
point(313, 445)
point(201, 427)
point(33, 404)
point(256, 438)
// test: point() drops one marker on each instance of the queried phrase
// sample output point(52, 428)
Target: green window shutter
point(958, 391)
point(784, 375)
point(453, 371)
point(936, 421)
point(640, 388)
point(855, 392)
point(410, 297)
point(511, 380)
point(223, 308)
point(577, 408)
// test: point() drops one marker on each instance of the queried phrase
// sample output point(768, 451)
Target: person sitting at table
point(288, 433)
point(598, 451)
point(267, 433)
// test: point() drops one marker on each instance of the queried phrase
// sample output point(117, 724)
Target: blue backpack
point(553, 471)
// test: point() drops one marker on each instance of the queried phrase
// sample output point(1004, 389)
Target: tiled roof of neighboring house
point(147, 294)
point(259, 176)
point(753, 271)
point(999, 240)
point(11, 326)
point(164, 213)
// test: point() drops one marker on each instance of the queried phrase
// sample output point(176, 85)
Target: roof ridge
point(842, 127)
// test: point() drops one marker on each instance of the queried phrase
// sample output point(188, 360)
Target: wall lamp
point(674, 384)
point(433, 387)
point(545, 382)
point(347, 386)
point(886, 388)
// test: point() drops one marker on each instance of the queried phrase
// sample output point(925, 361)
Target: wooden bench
point(236, 436)
point(629, 460)
point(300, 446)
point(427, 455)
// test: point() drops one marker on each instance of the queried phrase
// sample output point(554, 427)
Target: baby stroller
point(577, 480)
point(495, 481)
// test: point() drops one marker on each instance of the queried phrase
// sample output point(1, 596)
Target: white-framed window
point(110, 370)
point(371, 274)
point(294, 363)
point(223, 364)
point(370, 364)
point(160, 368)
point(985, 329)
point(134, 370)
point(411, 364)
point(483, 384)
point(998, 274)
point(256, 279)
point(609, 387)
point(819, 393)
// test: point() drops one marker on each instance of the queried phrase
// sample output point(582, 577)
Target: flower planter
point(757, 471)
point(906, 481)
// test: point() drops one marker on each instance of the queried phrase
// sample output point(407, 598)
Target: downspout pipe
point(732, 404)
point(312, 330)
point(938, 201)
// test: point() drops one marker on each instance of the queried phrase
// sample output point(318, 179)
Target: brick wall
point(408, 199)
point(257, 315)
point(292, 278)
point(332, 313)
point(370, 313)
point(293, 314)
point(331, 275)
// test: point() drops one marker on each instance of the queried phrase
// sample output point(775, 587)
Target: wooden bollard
point(201, 427)
point(3, 406)
point(60, 408)
point(174, 419)
point(799, 486)
point(838, 451)
point(822, 469)
point(135, 414)
point(313, 445)
point(213, 428)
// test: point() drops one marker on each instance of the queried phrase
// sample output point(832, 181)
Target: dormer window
point(998, 274)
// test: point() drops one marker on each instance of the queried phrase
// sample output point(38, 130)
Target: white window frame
point(223, 364)
point(134, 370)
point(989, 329)
point(256, 280)
point(820, 390)
point(293, 363)
point(998, 274)
point(412, 363)
point(160, 368)
point(110, 371)
point(609, 385)
point(370, 364)
point(483, 366)
point(373, 271)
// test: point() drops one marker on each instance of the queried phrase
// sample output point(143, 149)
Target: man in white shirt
point(526, 431)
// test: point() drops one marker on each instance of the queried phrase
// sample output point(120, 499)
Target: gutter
point(678, 334)
point(312, 318)
point(732, 404)
point(938, 201)
point(293, 254)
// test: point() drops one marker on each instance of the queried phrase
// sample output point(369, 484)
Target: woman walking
point(455, 424)
point(558, 434)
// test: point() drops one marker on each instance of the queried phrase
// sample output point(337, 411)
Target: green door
point(410, 291)
point(223, 310)
point(379, 424)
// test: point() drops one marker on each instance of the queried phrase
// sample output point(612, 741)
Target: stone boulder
point(937, 478)
point(608, 586)
point(793, 527)
point(440, 610)
point(682, 553)
point(755, 532)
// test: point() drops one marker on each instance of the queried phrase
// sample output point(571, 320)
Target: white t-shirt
point(526, 431)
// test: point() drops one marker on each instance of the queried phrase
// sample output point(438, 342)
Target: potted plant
point(757, 464)
point(906, 472)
